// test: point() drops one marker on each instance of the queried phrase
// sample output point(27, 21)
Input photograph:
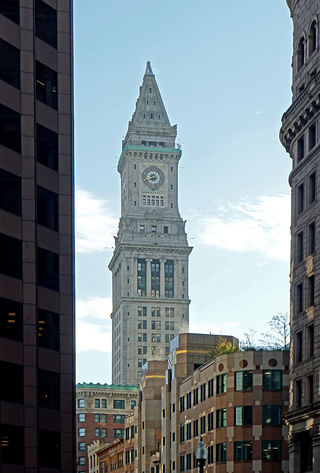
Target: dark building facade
point(300, 134)
point(36, 237)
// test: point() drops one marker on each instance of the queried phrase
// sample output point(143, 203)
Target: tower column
point(148, 277)
point(162, 287)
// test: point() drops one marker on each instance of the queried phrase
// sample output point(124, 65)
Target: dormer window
point(313, 37)
point(300, 53)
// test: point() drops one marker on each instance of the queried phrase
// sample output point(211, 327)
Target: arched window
point(301, 53)
point(313, 37)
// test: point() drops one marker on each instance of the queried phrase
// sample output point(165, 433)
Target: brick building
point(37, 367)
point(101, 411)
point(300, 134)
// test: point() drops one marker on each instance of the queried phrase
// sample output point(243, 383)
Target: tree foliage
point(223, 346)
point(278, 336)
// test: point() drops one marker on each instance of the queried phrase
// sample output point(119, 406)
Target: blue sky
point(223, 69)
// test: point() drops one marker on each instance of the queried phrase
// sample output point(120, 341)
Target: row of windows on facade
point(153, 144)
point(302, 146)
point(11, 324)
point(155, 278)
point(303, 391)
point(242, 451)
point(309, 44)
point(117, 418)
point(155, 325)
point(271, 416)
point(303, 198)
point(11, 262)
point(12, 445)
point(46, 139)
point(243, 381)
point(103, 403)
point(305, 291)
point(152, 200)
point(101, 432)
point(45, 18)
point(154, 228)
point(155, 337)
point(155, 311)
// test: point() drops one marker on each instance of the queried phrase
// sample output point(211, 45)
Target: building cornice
point(149, 150)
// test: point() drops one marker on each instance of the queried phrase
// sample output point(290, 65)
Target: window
point(169, 325)
point(300, 247)
point(48, 269)
point(10, 128)
point(46, 23)
point(271, 450)
point(298, 393)
point(271, 415)
point(47, 208)
point(300, 58)
point(312, 188)
point(312, 136)
point(242, 451)
point(81, 417)
point(12, 389)
point(156, 325)
point(155, 311)
point(141, 277)
point(155, 278)
point(182, 464)
point(49, 449)
point(311, 238)
point(298, 347)
point(195, 428)
point(49, 389)
point(132, 431)
point(118, 404)
point(118, 419)
point(221, 418)
point(182, 432)
point(210, 388)
point(243, 380)
point(310, 290)
point(47, 147)
point(118, 433)
point(142, 311)
point(48, 329)
point(243, 415)
point(10, 192)
point(195, 396)
point(300, 204)
point(165, 229)
point(182, 404)
point(203, 392)
point(46, 85)
point(221, 383)
point(169, 278)
point(142, 324)
point(82, 432)
point(221, 452)
point(272, 380)
point(153, 228)
point(210, 454)
point(97, 432)
point(81, 461)
point(80, 403)
point(188, 430)
point(81, 446)
point(310, 334)
point(11, 316)
point(313, 37)
point(9, 64)
point(156, 337)
point(299, 298)
point(189, 403)
point(10, 9)
point(103, 403)
point(10, 256)
point(300, 148)
point(169, 311)
point(210, 421)
point(97, 417)
point(310, 389)
point(152, 200)
point(202, 425)
point(11, 443)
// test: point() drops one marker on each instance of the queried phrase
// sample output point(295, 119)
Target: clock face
point(153, 177)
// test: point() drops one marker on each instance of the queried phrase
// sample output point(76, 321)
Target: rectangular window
point(103, 403)
point(97, 403)
point(48, 269)
point(188, 463)
point(311, 238)
point(49, 389)
point(81, 417)
point(210, 454)
point(221, 383)
point(11, 317)
point(12, 389)
point(153, 228)
point(169, 311)
point(195, 396)
point(298, 347)
point(299, 298)
point(10, 256)
point(311, 290)
point(195, 428)
point(210, 421)
point(10, 9)
point(142, 311)
point(81, 461)
point(118, 433)
point(310, 388)
point(47, 208)
point(46, 85)
point(155, 311)
point(103, 417)
point(47, 147)
point(243, 380)
point(10, 128)
point(10, 192)
point(221, 418)
point(298, 393)
point(300, 247)
point(118, 419)
point(188, 426)
point(242, 415)
point(49, 449)
point(189, 402)
point(97, 432)
point(203, 392)
point(221, 452)
point(81, 446)
point(272, 380)
point(312, 136)
point(80, 403)
point(127, 457)
point(97, 417)
point(202, 425)
point(271, 415)
point(182, 464)
point(119, 404)
point(169, 278)
point(300, 198)
point(182, 431)
point(141, 277)
point(9, 64)
point(310, 332)
point(210, 388)
point(271, 450)
point(155, 278)
point(300, 149)
point(81, 432)
point(156, 325)
point(169, 325)
point(242, 451)
point(165, 229)
point(312, 188)
point(46, 23)
point(182, 404)
point(48, 329)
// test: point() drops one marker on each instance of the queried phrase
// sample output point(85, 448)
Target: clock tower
point(150, 261)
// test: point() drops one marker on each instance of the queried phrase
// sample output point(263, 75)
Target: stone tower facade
point(300, 134)
point(150, 261)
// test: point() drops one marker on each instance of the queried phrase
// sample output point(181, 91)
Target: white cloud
point(94, 223)
point(261, 227)
point(93, 328)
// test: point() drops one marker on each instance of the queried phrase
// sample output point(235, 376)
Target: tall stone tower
point(150, 261)
point(300, 134)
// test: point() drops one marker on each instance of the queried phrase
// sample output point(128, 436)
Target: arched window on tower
point(301, 53)
point(313, 37)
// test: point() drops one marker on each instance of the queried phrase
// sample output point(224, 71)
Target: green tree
point(222, 347)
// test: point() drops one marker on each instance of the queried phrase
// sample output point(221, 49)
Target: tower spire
point(148, 70)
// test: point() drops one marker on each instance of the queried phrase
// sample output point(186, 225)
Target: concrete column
point(148, 276)
point(162, 287)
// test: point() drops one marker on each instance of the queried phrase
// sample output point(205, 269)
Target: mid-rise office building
point(300, 134)
point(37, 366)
point(150, 261)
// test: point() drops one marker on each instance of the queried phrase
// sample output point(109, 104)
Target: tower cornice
point(151, 150)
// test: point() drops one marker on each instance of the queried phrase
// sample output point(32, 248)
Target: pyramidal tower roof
point(150, 120)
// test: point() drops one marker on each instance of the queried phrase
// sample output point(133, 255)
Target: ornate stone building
point(300, 136)
point(150, 261)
